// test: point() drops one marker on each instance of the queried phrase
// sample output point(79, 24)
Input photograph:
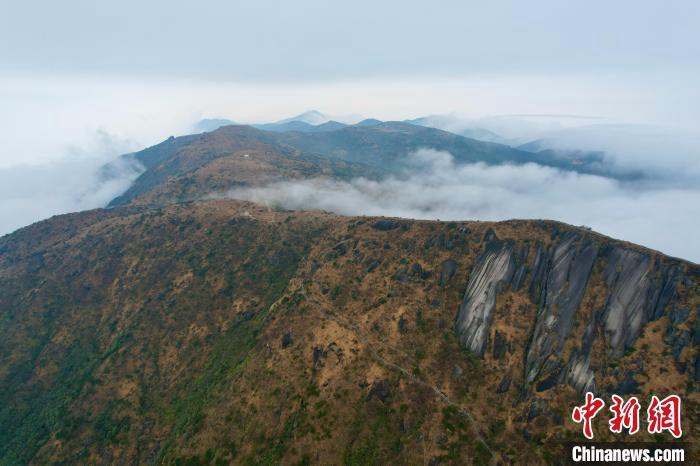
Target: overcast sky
point(82, 81)
point(321, 40)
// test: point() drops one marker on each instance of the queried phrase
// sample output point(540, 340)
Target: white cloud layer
point(433, 187)
point(82, 179)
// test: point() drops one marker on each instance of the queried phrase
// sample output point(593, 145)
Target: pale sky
point(322, 40)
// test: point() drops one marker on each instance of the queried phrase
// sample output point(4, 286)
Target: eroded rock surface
point(636, 289)
point(493, 268)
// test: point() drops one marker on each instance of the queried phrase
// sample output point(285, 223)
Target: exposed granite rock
point(638, 287)
point(578, 372)
point(490, 235)
point(627, 278)
point(401, 275)
point(379, 390)
point(677, 338)
point(341, 249)
point(493, 268)
point(550, 381)
point(639, 293)
point(566, 278)
point(440, 240)
point(539, 273)
point(403, 324)
point(418, 272)
point(627, 385)
point(419, 317)
point(408, 245)
point(385, 225)
point(504, 384)
point(677, 316)
point(499, 345)
point(448, 268)
point(662, 295)
point(371, 265)
point(537, 408)
point(521, 271)
point(287, 340)
point(317, 354)
point(680, 341)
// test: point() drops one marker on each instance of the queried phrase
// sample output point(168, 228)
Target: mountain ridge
point(222, 330)
point(372, 151)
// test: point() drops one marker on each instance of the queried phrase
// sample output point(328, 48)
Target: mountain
point(596, 161)
point(330, 126)
point(384, 144)
point(311, 117)
point(300, 126)
point(628, 150)
point(369, 122)
point(173, 328)
point(210, 124)
point(189, 167)
point(219, 332)
point(306, 122)
point(293, 125)
point(459, 126)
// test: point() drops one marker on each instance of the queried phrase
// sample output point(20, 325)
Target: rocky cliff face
point(638, 287)
point(223, 332)
point(493, 268)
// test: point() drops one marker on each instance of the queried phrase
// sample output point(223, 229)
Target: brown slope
point(191, 167)
point(221, 332)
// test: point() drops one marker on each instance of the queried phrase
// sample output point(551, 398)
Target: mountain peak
point(369, 122)
point(207, 125)
point(312, 117)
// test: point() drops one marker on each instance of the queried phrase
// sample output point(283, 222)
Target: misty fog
point(69, 184)
point(434, 187)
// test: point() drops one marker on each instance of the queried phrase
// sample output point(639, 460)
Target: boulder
point(448, 268)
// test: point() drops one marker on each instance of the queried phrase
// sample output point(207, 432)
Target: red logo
point(665, 415)
point(625, 415)
point(587, 412)
point(662, 415)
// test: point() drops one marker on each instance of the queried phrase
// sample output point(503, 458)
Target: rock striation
point(637, 288)
point(493, 268)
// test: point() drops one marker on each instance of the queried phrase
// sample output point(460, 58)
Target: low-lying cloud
point(434, 187)
point(80, 180)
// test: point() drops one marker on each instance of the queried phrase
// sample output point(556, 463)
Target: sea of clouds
point(433, 186)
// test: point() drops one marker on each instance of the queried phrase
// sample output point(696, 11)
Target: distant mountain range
point(389, 147)
point(448, 123)
point(309, 121)
point(190, 166)
point(315, 121)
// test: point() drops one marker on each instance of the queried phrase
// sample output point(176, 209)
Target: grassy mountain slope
point(220, 332)
point(190, 167)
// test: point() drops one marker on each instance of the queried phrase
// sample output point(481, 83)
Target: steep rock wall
point(637, 288)
point(494, 268)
